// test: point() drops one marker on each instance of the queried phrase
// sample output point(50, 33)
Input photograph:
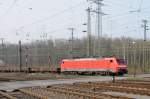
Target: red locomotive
point(94, 65)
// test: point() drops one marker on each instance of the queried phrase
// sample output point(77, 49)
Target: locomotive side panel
point(97, 65)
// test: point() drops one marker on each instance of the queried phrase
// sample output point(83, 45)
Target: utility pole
point(20, 56)
point(2, 39)
point(134, 57)
point(99, 24)
point(145, 29)
point(145, 38)
point(89, 43)
point(124, 51)
point(72, 40)
point(2, 44)
point(99, 15)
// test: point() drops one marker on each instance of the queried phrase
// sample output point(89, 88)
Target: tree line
point(42, 53)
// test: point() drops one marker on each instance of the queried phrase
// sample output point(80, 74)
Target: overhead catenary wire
point(44, 19)
point(115, 4)
point(53, 16)
point(111, 17)
point(64, 28)
point(9, 8)
point(140, 9)
point(50, 17)
point(59, 30)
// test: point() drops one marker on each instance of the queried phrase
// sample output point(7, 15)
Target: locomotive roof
point(79, 59)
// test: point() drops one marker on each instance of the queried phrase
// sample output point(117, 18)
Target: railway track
point(57, 92)
point(17, 95)
point(21, 95)
point(83, 93)
point(4, 95)
point(127, 88)
point(127, 84)
point(140, 84)
point(40, 93)
point(135, 81)
point(91, 90)
point(12, 69)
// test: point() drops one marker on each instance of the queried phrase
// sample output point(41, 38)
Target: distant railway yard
point(86, 78)
point(54, 86)
point(74, 49)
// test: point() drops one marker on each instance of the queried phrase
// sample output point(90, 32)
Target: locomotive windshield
point(121, 61)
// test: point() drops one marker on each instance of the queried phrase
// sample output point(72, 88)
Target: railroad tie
point(95, 95)
point(29, 92)
point(7, 95)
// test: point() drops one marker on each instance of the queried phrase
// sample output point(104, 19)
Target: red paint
point(93, 64)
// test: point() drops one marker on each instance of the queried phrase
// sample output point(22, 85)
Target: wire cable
point(9, 8)
point(53, 16)
point(117, 4)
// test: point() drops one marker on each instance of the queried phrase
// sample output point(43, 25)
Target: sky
point(29, 20)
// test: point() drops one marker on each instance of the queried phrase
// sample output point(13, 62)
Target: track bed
point(122, 89)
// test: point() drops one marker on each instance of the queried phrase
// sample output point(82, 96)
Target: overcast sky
point(32, 19)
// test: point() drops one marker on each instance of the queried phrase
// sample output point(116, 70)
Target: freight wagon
point(110, 65)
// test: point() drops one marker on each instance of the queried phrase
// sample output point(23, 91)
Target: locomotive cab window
point(121, 61)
